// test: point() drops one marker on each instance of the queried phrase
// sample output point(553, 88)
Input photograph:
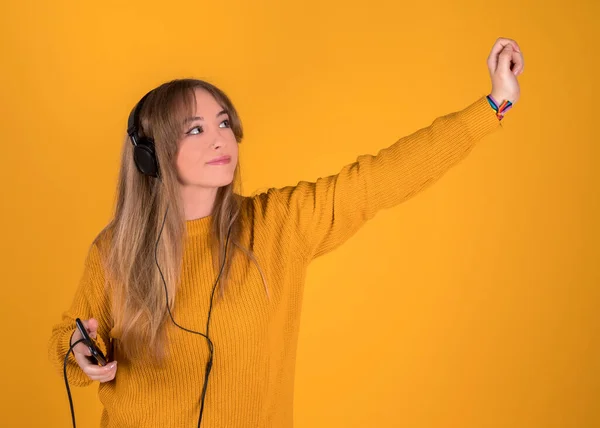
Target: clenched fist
point(505, 64)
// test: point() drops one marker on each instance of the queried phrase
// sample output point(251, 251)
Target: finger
point(94, 371)
point(493, 58)
point(498, 47)
point(515, 45)
point(505, 41)
point(519, 63)
point(75, 336)
point(91, 326)
point(505, 58)
point(81, 349)
point(516, 62)
point(104, 378)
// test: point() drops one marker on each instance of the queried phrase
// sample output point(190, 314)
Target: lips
point(222, 160)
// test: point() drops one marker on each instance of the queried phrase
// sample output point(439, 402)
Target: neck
point(198, 202)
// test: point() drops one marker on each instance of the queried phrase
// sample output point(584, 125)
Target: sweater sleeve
point(327, 212)
point(90, 301)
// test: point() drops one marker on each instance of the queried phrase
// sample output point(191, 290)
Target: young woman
point(191, 279)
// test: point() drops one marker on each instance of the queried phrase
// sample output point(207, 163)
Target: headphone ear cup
point(144, 157)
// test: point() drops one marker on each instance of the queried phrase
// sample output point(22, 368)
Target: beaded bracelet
point(499, 109)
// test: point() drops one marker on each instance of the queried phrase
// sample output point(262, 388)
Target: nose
point(217, 140)
point(217, 143)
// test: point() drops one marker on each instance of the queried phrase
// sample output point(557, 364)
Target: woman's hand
point(505, 64)
point(81, 352)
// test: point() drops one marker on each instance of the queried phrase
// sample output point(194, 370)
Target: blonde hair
point(142, 203)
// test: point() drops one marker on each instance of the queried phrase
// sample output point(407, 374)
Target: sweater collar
point(198, 226)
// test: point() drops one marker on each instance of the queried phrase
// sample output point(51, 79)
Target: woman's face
point(208, 151)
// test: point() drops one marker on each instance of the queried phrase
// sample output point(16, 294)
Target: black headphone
point(144, 154)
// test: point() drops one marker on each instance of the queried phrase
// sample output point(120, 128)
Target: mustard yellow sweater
point(255, 336)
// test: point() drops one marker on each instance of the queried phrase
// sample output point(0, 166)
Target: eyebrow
point(193, 119)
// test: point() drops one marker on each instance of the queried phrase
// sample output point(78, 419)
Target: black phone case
point(97, 354)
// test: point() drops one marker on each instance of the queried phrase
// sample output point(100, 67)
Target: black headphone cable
point(212, 295)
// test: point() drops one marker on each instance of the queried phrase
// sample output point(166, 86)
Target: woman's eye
point(195, 130)
point(225, 124)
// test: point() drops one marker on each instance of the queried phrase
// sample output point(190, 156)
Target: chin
point(220, 182)
point(210, 181)
point(225, 183)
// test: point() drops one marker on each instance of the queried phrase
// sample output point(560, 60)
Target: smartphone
point(97, 354)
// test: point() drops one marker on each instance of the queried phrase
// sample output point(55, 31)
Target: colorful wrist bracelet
point(499, 109)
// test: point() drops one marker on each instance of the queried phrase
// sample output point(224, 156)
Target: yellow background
point(473, 305)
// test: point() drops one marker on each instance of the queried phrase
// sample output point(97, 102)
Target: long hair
point(142, 202)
